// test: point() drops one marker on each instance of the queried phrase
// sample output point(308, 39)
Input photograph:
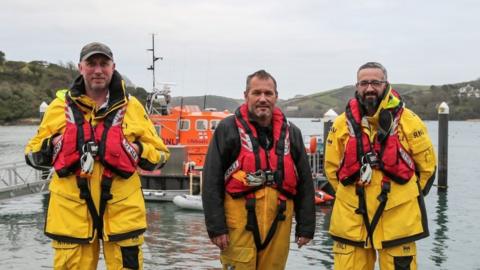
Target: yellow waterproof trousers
point(241, 252)
point(402, 257)
point(125, 254)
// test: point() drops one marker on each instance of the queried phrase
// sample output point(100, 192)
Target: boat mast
point(154, 59)
point(157, 100)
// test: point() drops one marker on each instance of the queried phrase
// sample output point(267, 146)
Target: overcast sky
point(209, 47)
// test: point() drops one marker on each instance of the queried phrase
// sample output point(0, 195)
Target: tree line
point(25, 85)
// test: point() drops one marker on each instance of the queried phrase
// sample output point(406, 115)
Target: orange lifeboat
point(190, 127)
point(186, 130)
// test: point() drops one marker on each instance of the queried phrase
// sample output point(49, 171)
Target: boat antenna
point(204, 101)
point(154, 59)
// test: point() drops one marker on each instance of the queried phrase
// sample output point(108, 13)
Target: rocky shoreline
point(22, 122)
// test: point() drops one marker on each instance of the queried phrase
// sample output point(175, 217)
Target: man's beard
point(369, 103)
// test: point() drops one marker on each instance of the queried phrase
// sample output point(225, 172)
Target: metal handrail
point(18, 179)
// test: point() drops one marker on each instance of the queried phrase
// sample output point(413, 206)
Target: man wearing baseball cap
point(95, 136)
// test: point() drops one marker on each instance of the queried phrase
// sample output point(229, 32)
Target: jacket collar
point(389, 101)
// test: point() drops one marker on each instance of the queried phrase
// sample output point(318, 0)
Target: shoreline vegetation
point(25, 85)
point(22, 122)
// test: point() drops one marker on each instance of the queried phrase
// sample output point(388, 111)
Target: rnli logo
point(418, 133)
point(406, 249)
point(233, 168)
point(130, 150)
point(406, 158)
point(341, 245)
point(56, 149)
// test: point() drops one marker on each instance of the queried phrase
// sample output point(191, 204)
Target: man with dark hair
point(95, 136)
point(257, 175)
point(381, 162)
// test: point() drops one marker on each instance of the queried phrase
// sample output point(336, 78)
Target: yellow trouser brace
point(125, 254)
point(402, 257)
point(242, 252)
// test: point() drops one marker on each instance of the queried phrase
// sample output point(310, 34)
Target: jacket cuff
point(140, 148)
point(212, 234)
point(145, 164)
point(304, 234)
point(43, 157)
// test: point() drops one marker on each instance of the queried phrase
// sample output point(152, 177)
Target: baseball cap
point(95, 48)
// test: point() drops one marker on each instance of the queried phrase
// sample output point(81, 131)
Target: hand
point(301, 241)
point(220, 241)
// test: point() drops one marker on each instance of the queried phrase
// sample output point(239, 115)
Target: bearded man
point(380, 160)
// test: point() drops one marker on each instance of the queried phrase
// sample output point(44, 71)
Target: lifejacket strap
point(252, 224)
point(85, 194)
point(105, 196)
point(362, 210)
point(383, 198)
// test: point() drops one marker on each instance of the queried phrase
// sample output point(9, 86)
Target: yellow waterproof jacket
point(68, 218)
point(404, 217)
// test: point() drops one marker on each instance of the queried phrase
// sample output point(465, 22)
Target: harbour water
point(176, 239)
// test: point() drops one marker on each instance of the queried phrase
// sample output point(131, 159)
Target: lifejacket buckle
point(386, 186)
point(86, 165)
point(372, 159)
point(90, 147)
point(256, 179)
point(269, 178)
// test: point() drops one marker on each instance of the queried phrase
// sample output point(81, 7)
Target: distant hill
point(24, 85)
point(462, 98)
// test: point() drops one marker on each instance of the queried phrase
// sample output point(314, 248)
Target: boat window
point(184, 124)
point(201, 124)
point(214, 124)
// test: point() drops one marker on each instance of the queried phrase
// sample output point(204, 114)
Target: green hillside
point(462, 98)
point(23, 87)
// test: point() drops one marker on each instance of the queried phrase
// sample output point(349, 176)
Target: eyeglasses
point(373, 83)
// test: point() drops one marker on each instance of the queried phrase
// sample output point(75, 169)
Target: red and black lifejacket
point(114, 151)
point(277, 161)
point(385, 153)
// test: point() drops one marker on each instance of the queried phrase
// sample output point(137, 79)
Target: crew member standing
point(256, 176)
point(381, 162)
point(95, 136)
